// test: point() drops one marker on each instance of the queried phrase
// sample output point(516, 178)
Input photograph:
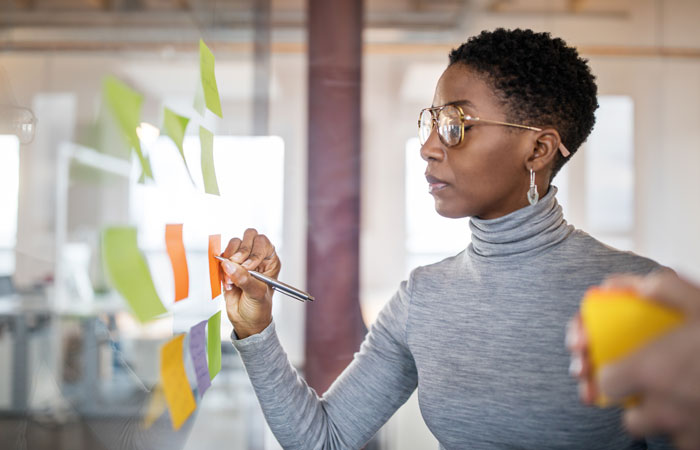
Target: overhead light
point(18, 121)
point(14, 119)
point(147, 133)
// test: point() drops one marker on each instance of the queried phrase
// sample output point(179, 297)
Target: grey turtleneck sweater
point(480, 335)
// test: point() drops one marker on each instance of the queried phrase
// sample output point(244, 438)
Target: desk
point(29, 314)
point(25, 315)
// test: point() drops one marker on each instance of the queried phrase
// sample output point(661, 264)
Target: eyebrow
point(460, 102)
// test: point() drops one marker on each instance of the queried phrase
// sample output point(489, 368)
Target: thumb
point(619, 380)
point(647, 370)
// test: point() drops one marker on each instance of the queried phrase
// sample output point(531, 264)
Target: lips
point(435, 184)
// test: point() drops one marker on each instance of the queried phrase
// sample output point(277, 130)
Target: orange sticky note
point(178, 259)
point(214, 277)
point(176, 387)
point(618, 322)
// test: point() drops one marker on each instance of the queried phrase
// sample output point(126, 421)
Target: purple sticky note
point(198, 351)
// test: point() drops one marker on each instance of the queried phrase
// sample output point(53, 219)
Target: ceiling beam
point(246, 47)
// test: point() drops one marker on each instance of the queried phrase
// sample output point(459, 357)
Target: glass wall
point(82, 370)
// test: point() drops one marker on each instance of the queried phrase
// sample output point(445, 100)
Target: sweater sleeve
point(380, 378)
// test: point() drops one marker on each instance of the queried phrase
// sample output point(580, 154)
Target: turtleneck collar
point(524, 232)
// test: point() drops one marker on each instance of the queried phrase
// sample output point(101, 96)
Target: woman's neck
point(524, 231)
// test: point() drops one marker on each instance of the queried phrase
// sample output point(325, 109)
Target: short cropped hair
point(541, 81)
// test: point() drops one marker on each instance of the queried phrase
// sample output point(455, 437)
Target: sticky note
point(127, 269)
point(207, 89)
point(199, 97)
point(125, 105)
point(618, 322)
point(156, 406)
point(206, 140)
point(214, 344)
point(198, 353)
point(174, 127)
point(178, 259)
point(214, 274)
point(176, 387)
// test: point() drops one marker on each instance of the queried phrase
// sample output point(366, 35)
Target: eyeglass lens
point(449, 125)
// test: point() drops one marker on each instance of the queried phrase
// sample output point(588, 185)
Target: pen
point(277, 285)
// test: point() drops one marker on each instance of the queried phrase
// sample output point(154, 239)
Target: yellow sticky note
point(176, 387)
point(125, 105)
point(156, 406)
point(619, 322)
point(208, 92)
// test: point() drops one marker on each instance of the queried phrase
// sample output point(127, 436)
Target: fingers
point(687, 439)
point(252, 251)
point(262, 248)
point(240, 278)
point(231, 248)
point(668, 288)
point(575, 335)
point(655, 415)
point(619, 380)
point(650, 370)
point(664, 286)
point(580, 366)
point(623, 281)
point(238, 250)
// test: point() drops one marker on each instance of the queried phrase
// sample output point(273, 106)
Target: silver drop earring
point(532, 195)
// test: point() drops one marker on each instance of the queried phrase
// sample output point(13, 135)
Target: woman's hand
point(666, 372)
point(248, 300)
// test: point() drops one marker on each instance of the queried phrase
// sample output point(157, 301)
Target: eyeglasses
point(452, 124)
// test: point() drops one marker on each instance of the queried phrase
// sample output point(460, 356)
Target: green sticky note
point(214, 344)
point(125, 105)
point(142, 177)
point(199, 98)
point(206, 141)
point(209, 91)
point(174, 126)
point(127, 268)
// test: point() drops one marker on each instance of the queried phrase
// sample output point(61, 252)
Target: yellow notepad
point(618, 322)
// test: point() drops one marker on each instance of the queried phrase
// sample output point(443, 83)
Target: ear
point(544, 151)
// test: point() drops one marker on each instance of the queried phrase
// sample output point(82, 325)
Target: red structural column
point(334, 326)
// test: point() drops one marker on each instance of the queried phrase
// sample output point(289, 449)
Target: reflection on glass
point(18, 121)
point(9, 190)
point(250, 172)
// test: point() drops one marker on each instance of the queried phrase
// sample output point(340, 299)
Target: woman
point(479, 334)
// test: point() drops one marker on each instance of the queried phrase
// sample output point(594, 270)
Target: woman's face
point(486, 174)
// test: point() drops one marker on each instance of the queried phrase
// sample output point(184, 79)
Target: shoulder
point(584, 249)
point(439, 271)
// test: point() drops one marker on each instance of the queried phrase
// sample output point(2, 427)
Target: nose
point(433, 149)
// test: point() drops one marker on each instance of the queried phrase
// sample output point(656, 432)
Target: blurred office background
point(76, 365)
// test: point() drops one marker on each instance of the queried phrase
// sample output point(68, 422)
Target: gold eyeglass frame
point(435, 112)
